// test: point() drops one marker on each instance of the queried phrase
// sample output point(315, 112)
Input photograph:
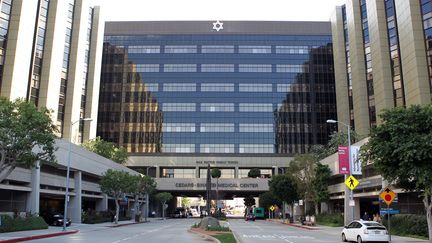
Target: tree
point(106, 149)
point(216, 173)
point(302, 167)
point(140, 186)
point(336, 139)
point(116, 184)
point(268, 199)
point(285, 188)
point(254, 173)
point(26, 136)
point(401, 151)
point(163, 197)
point(249, 201)
point(320, 184)
point(185, 202)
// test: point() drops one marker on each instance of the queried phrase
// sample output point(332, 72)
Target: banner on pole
point(343, 160)
point(356, 163)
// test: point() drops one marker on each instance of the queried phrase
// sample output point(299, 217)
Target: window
point(178, 127)
point(256, 148)
point(250, 127)
point(217, 148)
point(180, 49)
point(217, 49)
point(144, 49)
point(217, 107)
point(178, 148)
point(178, 107)
point(285, 88)
point(180, 68)
point(178, 173)
point(217, 87)
point(179, 87)
point(255, 49)
point(255, 68)
point(217, 68)
point(292, 68)
point(152, 87)
point(255, 87)
point(146, 68)
point(255, 107)
point(217, 127)
point(292, 49)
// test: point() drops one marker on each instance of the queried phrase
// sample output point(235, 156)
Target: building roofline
point(229, 28)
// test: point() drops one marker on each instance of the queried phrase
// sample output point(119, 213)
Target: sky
point(224, 10)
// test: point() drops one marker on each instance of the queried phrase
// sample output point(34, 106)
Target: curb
point(204, 235)
point(237, 237)
point(121, 225)
point(37, 237)
point(294, 225)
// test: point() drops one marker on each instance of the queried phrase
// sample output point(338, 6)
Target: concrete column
point(340, 67)
point(33, 197)
point(413, 52)
point(358, 70)
point(15, 79)
point(324, 207)
point(94, 68)
point(357, 208)
point(197, 171)
point(157, 172)
point(102, 204)
point(75, 204)
point(236, 172)
point(276, 170)
point(348, 210)
point(382, 73)
point(49, 91)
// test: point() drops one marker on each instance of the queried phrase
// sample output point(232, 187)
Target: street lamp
point(147, 195)
point(68, 169)
point(351, 196)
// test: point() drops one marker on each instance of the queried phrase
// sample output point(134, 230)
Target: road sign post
point(388, 196)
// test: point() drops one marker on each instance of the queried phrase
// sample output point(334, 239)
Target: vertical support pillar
point(33, 197)
point(197, 172)
point(76, 201)
point(157, 172)
point(276, 170)
point(236, 172)
point(102, 204)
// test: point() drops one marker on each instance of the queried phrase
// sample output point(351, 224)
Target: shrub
point(330, 219)
point(408, 225)
point(94, 217)
point(219, 215)
point(31, 222)
point(218, 228)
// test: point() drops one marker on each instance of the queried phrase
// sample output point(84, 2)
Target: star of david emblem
point(218, 25)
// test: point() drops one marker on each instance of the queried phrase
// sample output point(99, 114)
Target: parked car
point(55, 219)
point(362, 231)
point(250, 216)
point(179, 213)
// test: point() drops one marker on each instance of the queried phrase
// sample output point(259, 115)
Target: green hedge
point(99, 217)
point(9, 224)
point(330, 219)
point(408, 225)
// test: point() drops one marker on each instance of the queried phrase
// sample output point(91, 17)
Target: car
point(250, 216)
point(179, 213)
point(56, 219)
point(365, 231)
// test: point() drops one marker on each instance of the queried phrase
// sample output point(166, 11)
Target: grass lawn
point(226, 238)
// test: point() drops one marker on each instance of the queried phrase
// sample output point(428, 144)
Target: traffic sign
point(351, 182)
point(388, 195)
point(272, 208)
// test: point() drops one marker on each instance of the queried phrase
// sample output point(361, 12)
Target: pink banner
point(343, 160)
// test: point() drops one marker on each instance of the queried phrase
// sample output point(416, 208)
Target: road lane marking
point(144, 233)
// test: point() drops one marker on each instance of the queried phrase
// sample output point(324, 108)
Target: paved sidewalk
point(58, 231)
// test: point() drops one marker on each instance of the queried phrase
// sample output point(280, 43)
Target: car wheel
point(359, 239)
point(344, 238)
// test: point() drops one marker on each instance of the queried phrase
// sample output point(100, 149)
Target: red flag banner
point(343, 160)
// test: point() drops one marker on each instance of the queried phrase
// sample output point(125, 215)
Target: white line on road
point(144, 233)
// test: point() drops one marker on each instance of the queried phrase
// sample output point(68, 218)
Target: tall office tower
point(382, 58)
point(231, 88)
point(50, 55)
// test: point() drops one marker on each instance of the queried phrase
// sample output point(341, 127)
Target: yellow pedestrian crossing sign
point(351, 182)
point(272, 208)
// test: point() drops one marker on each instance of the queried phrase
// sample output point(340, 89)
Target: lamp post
point(68, 169)
point(351, 196)
point(147, 195)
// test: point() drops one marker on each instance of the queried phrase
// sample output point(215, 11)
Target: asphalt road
point(270, 232)
point(171, 230)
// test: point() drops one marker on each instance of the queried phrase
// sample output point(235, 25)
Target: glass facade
point(368, 63)
point(426, 8)
point(5, 12)
point(396, 65)
point(227, 94)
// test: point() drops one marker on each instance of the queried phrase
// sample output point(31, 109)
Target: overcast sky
point(282, 10)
